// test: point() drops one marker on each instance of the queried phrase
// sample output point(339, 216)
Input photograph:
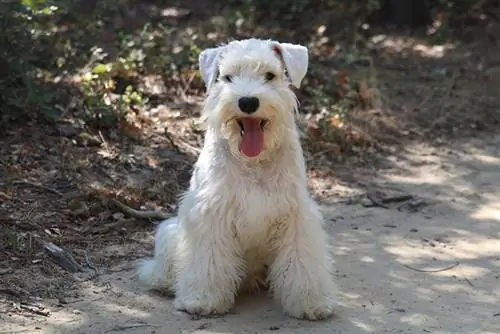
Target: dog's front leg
point(209, 272)
point(301, 275)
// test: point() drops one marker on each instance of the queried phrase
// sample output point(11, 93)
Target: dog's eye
point(269, 76)
point(227, 78)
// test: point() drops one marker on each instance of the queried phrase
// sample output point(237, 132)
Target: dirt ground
point(416, 251)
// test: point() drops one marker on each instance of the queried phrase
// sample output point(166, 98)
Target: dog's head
point(250, 101)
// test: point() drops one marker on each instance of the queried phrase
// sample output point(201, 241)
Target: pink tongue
point(253, 137)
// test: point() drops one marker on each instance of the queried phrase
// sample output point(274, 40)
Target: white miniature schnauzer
point(247, 220)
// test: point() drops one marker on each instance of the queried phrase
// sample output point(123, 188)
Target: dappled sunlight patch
point(367, 259)
point(433, 179)
point(478, 246)
point(419, 320)
point(67, 320)
point(487, 159)
point(465, 270)
point(488, 211)
point(425, 293)
point(405, 44)
point(432, 51)
point(391, 43)
point(351, 295)
point(410, 251)
point(125, 310)
point(363, 326)
point(478, 295)
point(346, 244)
point(414, 251)
point(342, 250)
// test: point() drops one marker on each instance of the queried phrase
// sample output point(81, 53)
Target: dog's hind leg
point(159, 272)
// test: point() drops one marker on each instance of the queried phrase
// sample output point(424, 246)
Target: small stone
point(118, 216)
point(68, 130)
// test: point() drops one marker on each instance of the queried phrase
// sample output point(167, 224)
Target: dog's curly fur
point(247, 222)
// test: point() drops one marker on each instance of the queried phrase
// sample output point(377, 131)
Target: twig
point(375, 202)
point(13, 293)
point(176, 147)
point(468, 281)
point(187, 85)
point(396, 199)
point(35, 185)
point(7, 197)
point(170, 139)
point(62, 258)
point(121, 328)
point(432, 270)
point(451, 84)
point(149, 214)
point(89, 264)
point(34, 310)
point(496, 314)
point(104, 142)
point(194, 148)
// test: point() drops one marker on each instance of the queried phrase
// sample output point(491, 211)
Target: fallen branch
point(468, 282)
point(34, 310)
point(14, 292)
point(139, 214)
point(432, 270)
point(185, 143)
point(172, 142)
point(36, 185)
point(121, 328)
point(62, 258)
point(396, 199)
point(90, 265)
point(374, 202)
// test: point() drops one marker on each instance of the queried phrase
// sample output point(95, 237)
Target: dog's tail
point(158, 272)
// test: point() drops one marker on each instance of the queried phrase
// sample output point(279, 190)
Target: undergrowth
point(58, 62)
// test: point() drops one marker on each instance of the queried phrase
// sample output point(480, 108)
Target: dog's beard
point(255, 136)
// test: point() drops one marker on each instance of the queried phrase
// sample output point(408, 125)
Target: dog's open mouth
point(252, 135)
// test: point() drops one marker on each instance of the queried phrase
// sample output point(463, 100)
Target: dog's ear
point(295, 58)
point(209, 65)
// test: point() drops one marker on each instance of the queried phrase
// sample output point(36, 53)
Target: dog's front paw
point(202, 306)
point(310, 308)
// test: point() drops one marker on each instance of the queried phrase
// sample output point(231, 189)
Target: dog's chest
point(262, 210)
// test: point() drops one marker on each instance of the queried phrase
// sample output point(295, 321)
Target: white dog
point(247, 220)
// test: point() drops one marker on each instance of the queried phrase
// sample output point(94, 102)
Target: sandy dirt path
point(427, 263)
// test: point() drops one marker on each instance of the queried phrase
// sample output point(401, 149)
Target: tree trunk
point(405, 13)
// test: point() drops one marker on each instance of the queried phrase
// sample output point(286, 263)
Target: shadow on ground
point(429, 264)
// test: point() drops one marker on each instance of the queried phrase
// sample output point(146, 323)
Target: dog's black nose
point(248, 105)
